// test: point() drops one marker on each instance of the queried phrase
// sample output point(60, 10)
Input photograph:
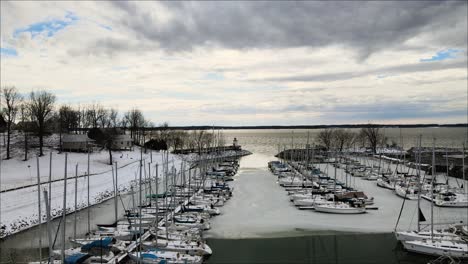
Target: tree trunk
point(60, 137)
point(25, 145)
point(41, 135)
point(109, 147)
point(8, 139)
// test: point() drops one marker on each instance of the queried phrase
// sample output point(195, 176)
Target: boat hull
point(338, 210)
point(459, 250)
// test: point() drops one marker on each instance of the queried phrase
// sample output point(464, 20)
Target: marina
point(233, 132)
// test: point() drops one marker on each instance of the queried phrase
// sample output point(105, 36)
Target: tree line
point(339, 138)
point(38, 114)
point(166, 137)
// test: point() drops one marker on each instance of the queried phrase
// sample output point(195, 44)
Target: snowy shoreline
point(20, 214)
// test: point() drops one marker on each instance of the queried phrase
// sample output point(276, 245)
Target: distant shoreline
point(306, 126)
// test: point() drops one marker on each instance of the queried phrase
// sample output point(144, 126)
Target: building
point(27, 126)
point(76, 142)
point(121, 142)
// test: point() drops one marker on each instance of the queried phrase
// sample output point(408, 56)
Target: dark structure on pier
point(208, 150)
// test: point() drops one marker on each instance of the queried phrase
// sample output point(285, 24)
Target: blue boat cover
point(101, 243)
point(149, 255)
point(76, 258)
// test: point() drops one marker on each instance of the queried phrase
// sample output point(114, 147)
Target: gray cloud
point(392, 70)
point(365, 26)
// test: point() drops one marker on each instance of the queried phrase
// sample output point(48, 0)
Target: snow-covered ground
point(19, 208)
point(260, 207)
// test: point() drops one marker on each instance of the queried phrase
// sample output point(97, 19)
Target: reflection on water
point(321, 249)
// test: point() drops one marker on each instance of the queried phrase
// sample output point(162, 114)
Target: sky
point(245, 63)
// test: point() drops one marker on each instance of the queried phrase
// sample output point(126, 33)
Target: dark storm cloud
point(386, 71)
point(364, 26)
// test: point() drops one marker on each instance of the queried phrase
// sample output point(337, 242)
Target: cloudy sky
point(245, 63)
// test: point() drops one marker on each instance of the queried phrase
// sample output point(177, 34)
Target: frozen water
point(260, 207)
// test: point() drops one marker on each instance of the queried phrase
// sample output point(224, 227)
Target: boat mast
point(140, 198)
point(64, 209)
point(157, 209)
point(50, 179)
point(115, 195)
point(334, 188)
point(89, 204)
point(39, 209)
point(76, 201)
point(150, 187)
point(307, 157)
point(432, 189)
point(166, 206)
point(464, 179)
point(419, 181)
point(116, 192)
point(49, 234)
point(292, 146)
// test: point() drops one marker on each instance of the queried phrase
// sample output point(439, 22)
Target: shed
point(76, 142)
point(122, 141)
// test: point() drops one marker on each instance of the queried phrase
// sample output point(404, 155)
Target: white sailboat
point(450, 199)
point(355, 207)
point(153, 257)
point(340, 208)
point(423, 235)
point(438, 247)
point(188, 247)
point(407, 191)
point(435, 245)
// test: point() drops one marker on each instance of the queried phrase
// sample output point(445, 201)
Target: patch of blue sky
point(105, 27)
point(49, 27)
point(443, 55)
point(214, 76)
point(8, 52)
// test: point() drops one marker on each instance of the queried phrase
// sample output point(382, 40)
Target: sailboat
point(355, 206)
point(150, 257)
point(436, 244)
point(188, 247)
point(451, 199)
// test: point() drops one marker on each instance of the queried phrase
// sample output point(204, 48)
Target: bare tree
point(343, 138)
point(374, 136)
point(41, 105)
point(103, 117)
point(201, 139)
point(113, 117)
point(25, 117)
point(325, 138)
point(135, 120)
point(69, 118)
point(12, 99)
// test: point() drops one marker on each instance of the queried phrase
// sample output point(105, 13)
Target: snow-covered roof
point(76, 138)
